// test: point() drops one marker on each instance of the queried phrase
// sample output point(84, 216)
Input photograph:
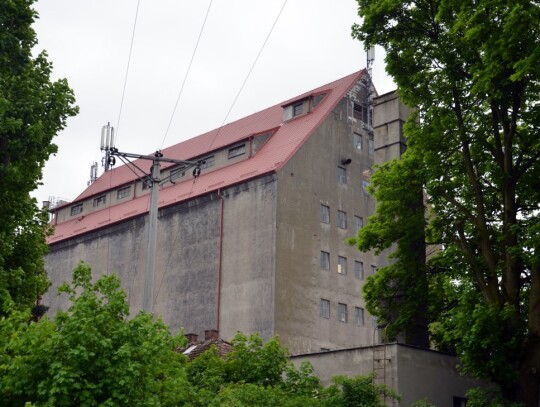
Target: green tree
point(92, 354)
point(471, 69)
point(254, 373)
point(33, 109)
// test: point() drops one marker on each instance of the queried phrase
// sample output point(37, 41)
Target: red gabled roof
point(286, 140)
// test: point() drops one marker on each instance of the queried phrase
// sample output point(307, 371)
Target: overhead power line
point(127, 70)
point(248, 74)
point(187, 73)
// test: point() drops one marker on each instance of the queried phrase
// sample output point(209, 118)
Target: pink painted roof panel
point(287, 139)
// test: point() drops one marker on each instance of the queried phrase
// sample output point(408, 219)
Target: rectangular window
point(371, 145)
point(76, 209)
point(342, 175)
point(358, 223)
point(123, 192)
point(342, 219)
point(342, 312)
point(365, 186)
point(373, 269)
point(297, 109)
point(236, 151)
point(325, 260)
point(342, 265)
point(359, 270)
point(325, 214)
point(146, 183)
point(100, 200)
point(357, 141)
point(207, 162)
point(359, 316)
point(325, 309)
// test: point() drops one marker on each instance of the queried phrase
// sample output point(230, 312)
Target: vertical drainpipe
point(220, 256)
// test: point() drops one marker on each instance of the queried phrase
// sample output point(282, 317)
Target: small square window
point(342, 265)
point(371, 145)
point(373, 269)
point(325, 260)
point(76, 209)
point(325, 309)
point(359, 270)
point(358, 223)
point(147, 183)
point(342, 312)
point(342, 175)
point(342, 219)
point(357, 141)
point(359, 316)
point(100, 200)
point(123, 192)
point(236, 151)
point(298, 109)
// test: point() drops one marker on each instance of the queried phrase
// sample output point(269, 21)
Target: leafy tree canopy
point(33, 109)
point(472, 71)
point(93, 354)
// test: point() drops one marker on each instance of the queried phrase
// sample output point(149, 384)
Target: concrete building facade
point(257, 242)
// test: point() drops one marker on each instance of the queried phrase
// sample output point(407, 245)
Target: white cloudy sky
point(88, 42)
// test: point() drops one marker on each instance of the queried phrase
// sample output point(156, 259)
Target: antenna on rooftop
point(93, 173)
point(107, 144)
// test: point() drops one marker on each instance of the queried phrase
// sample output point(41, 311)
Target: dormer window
point(100, 200)
point(297, 109)
point(238, 150)
point(76, 209)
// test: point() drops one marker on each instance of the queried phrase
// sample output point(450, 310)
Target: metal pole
point(148, 293)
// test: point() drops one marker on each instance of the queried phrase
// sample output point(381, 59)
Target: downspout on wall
point(220, 258)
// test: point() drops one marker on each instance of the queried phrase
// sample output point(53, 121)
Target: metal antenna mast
point(153, 181)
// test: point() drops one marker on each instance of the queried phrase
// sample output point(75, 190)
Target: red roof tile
point(287, 139)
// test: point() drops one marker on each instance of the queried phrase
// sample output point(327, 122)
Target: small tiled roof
point(287, 139)
point(195, 349)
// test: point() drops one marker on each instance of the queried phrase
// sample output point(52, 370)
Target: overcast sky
point(89, 42)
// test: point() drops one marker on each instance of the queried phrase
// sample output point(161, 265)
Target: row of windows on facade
point(341, 218)
point(176, 173)
point(342, 265)
point(342, 312)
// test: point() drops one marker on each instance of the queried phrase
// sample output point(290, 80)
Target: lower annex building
point(256, 242)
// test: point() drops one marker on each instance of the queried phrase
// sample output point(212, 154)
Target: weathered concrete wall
point(187, 260)
point(185, 284)
point(413, 372)
point(308, 180)
point(247, 283)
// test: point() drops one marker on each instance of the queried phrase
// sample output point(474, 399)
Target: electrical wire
point(127, 71)
point(187, 73)
point(248, 75)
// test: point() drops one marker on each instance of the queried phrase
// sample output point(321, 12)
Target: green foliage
point(33, 109)
point(489, 397)
point(357, 392)
point(471, 69)
point(92, 354)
